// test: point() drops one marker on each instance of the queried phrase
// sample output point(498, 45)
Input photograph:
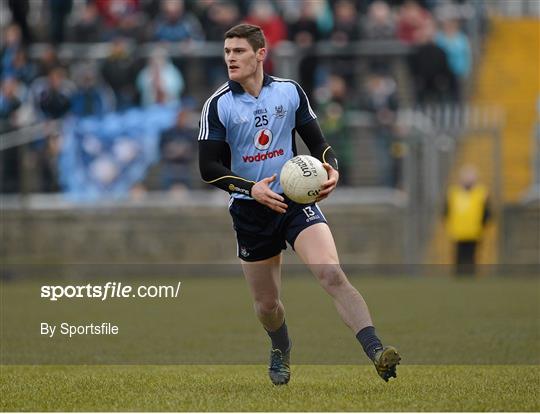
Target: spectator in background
point(219, 17)
point(334, 102)
point(59, 11)
point(379, 23)
point(160, 81)
point(112, 12)
point(320, 10)
point(91, 96)
point(52, 94)
point(382, 102)
point(120, 71)
point(177, 151)
point(88, 27)
point(24, 70)
point(201, 9)
point(346, 28)
point(19, 13)
point(10, 101)
point(151, 8)
point(412, 19)
point(467, 212)
point(176, 25)
point(425, 4)
point(123, 18)
point(11, 44)
point(433, 80)
point(458, 51)
point(133, 26)
point(263, 14)
point(325, 17)
point(47, 61)
point(304, 33)
point(45, 158)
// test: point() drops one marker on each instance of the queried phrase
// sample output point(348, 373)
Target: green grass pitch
point(246, 388)
point(467, 345)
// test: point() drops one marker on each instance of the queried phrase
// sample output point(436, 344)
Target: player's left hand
point(329, 185)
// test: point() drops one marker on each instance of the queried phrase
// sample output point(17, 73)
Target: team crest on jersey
point(279, 112)
point(263, 139)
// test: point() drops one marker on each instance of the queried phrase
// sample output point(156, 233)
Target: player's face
point(241, 59)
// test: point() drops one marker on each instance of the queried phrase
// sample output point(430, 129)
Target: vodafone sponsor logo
point(263, 139)
point(261, 156)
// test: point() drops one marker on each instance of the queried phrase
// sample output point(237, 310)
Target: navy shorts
point(261, 233)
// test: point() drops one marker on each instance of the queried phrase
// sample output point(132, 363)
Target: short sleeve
point(304, 113)
point(210, 126)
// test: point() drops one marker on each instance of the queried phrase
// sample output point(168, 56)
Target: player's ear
point(261, 54)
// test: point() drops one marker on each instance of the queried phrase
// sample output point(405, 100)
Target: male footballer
point(247, 132)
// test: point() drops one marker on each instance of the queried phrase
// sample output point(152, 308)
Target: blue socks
point(369, 341)
point(367, 338)
point(280, 338)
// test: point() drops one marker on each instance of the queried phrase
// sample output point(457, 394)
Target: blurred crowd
point(42, 86)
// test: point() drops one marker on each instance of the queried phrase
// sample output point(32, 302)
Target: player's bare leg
point(316, 248)
point(264, 281)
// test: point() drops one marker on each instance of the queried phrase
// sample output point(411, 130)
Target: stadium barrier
point(430, 144)
point(196, 230)
point(533, 193)
point(520, 238)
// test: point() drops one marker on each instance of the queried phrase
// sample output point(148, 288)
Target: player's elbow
point(205, 172)
point(204, 176)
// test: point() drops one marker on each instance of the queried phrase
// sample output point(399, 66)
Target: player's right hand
point(264, 195)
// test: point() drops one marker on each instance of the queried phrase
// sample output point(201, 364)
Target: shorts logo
point(310, 214)
point(263, 139)
point(244, 252)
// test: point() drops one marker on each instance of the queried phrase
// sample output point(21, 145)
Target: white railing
point(533, 193)
point(514, 8)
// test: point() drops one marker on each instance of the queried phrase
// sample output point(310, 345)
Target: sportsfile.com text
point(110, 290)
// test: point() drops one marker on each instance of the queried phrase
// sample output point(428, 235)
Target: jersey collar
point(237, 88)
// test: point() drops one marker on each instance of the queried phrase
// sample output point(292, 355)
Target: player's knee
point(266, 306)
point(331, 277)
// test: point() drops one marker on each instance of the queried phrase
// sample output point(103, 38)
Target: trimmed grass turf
point(247, 388)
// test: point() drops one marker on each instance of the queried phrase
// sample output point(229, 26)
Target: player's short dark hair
point(253, 34)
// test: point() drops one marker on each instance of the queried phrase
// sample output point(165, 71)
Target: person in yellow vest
point(467, 211)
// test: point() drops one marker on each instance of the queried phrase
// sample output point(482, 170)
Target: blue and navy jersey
point(259, 131)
